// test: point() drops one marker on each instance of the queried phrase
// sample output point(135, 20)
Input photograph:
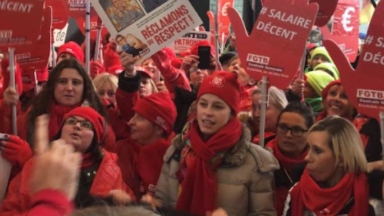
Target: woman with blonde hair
point(106, 86)
point(334, 181)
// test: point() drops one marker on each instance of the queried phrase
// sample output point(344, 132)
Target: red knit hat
point(224, 85)
point(73, 49)
point(194, 50)
point(324, 93)
point(159, 109)
point(93, 116)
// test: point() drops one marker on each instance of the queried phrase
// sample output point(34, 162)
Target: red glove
point(96, 68)
point(15, 150)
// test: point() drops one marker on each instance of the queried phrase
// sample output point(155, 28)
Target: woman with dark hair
point(290, 148)
point(100, 178)
point(68, 87)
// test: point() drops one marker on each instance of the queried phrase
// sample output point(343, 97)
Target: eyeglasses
point(84, 124)
point(296, 131)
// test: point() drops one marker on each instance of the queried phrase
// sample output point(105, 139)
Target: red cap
point(143, 71)
point(111, 58)
point(73, 49)
point(159, 109)
point(92, 116)
point(324, 93)
point(194, 50)
point(224, 85)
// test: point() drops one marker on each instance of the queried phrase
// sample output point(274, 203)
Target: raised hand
point(277, 42)
point(364, 86)
point(56, 167)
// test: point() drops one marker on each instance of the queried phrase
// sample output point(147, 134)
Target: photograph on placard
point(122, 13)
point(131, 44)
point(150, 5)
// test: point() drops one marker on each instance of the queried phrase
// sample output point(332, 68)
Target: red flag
point(223, 19)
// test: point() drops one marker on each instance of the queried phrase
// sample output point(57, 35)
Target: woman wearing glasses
point(290, 148)
point(100, 177)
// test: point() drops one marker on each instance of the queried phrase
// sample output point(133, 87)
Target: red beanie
point(224, 85)
point(92, 116)
point(159, 109)
point(7, 75)
point(324, 93)
point(194, 50)
point(111, 58)
point(73, 49)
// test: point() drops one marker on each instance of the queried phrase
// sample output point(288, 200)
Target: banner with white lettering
point(345, 28)
point(224, 22)
point(60, 12)
point(142, 28)
point(277, 42)
point(20, 23)
point(35, 56)
point(183, 44)
point(364, 86)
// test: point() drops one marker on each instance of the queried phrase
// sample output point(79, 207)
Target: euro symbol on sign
point(347, 19)
point(225, 9)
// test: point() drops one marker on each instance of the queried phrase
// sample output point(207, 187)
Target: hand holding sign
point(364, 86)
point(274, 48)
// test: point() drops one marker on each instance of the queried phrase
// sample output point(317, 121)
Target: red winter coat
point(141, 165)
point(18, 199)
point(50, 202)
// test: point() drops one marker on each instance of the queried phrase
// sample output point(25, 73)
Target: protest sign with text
point(184, 43)
point(364, 86)
point(275, 46)
point(345, 28)
point(14, 14)
point(143, 33)
point(60, 12)
point(77, 11)
point(36, 55)
point(223, 19)
point(326, 10)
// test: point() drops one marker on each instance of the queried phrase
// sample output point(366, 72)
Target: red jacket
point(141, 165)
point(18, 199)
point(50, 203)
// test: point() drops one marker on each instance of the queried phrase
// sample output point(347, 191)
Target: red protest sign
point(326, 10)
point(36, 55)
point(77, 11)
point(223, 19)
point(364, 86)
point(275, 46)
point(60, 13)
point(345, 28)
point(211, 18)
point(14, 32)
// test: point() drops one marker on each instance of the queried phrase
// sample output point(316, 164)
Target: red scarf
point(88, 160)
point(286, 162)
point(149, 163)
point(330, 201)
point(199, 186)
point(56, 118)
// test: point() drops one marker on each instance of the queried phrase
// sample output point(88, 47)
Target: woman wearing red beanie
point(213, 163)
point(100, 177)
point(141, 155)
point(334, 181)
point(67, 88)
point(70, 50)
